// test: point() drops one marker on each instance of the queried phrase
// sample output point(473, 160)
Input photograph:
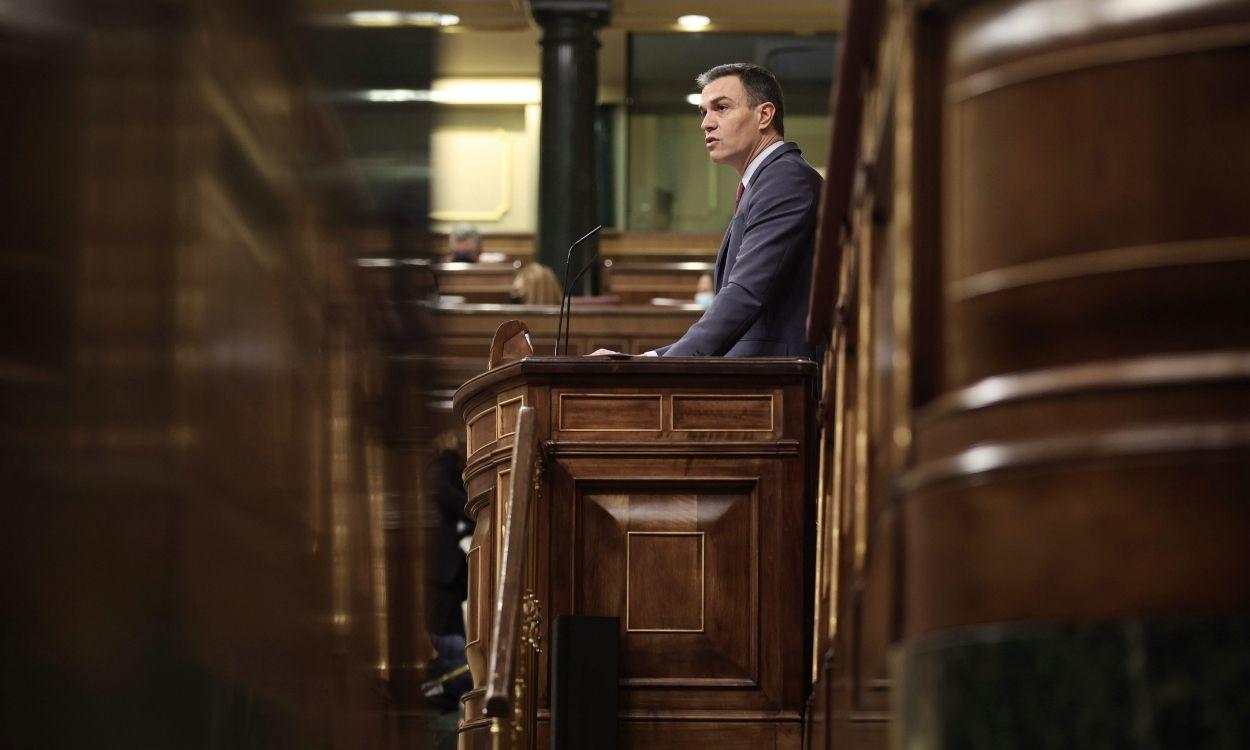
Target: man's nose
point(707, 123)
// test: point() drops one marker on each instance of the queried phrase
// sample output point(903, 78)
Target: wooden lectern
point(674, 494)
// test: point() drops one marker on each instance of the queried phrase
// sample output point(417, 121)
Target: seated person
point(535, 284)
point(464, 245)
point(704, 291)
point(449, 573)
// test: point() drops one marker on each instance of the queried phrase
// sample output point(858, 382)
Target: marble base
point(1148, 684)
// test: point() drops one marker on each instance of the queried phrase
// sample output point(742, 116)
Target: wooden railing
point(855, 70)
point(515, 618)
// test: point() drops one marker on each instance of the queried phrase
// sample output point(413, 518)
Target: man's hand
point(598, 352)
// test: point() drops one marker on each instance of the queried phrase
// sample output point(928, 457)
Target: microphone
point(568, 321)
point(567, 288)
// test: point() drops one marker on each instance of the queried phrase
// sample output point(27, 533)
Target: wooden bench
point(476, 282)
point(637, 283)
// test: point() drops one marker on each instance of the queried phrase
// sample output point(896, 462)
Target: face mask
point(463, 256)
point(704, 299)
point(515, 299)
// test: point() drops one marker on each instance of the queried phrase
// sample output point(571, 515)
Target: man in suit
point(763, 269)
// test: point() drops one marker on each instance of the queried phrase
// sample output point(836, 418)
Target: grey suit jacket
point(763, 269)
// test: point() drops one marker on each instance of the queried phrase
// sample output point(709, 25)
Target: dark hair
point(760, 84)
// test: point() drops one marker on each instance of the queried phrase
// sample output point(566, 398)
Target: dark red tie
point(738, 199)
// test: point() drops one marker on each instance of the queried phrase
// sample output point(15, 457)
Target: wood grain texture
point(1036, 400)
point(515, 540)
point(697, 545)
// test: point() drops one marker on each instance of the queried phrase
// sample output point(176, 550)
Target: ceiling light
point(398, 95)
point(432, 19)
point(487, 91)
point(375, 18)
point(694, 99)
point(693, 23)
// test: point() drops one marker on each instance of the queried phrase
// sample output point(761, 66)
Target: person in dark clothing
point(449, 573)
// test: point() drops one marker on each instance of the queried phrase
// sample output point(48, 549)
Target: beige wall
point(485, 167)
point(510, 54)
point(485, 157)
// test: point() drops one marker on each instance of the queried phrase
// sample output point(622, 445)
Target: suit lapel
point(785, 148)
point(722, 257)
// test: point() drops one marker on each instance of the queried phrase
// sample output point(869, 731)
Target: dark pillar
point(566, 162)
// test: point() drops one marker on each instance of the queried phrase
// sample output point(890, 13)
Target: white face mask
point(704, 299)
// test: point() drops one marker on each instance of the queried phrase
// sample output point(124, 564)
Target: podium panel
point(676, 495)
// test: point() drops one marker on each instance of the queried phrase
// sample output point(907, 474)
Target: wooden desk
point(464, 331)
point(637, 283)
point(674, 494)
point(476, 282)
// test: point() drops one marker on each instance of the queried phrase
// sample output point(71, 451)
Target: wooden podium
point(674, 494)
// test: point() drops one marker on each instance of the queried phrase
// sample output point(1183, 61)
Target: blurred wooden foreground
point(209, 519)
point(1032, 280)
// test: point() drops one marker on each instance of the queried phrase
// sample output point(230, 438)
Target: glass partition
point(672, 184)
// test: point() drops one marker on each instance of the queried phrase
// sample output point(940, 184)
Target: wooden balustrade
point(1037, 405)
point(513, 640)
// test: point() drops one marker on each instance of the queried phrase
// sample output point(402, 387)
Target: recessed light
point(375, 17)
point(398, 95)
point(694, 99)
point(426, 18)
point(395, 18)
point(693, 23)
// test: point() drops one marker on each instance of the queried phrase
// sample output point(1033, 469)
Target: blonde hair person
point(535, 284)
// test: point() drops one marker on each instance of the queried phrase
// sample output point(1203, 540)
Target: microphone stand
point(568, 288)
point(569, 321)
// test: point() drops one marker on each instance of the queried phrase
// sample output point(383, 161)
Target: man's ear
point(767, 111)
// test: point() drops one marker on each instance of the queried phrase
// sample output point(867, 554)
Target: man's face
point(731, 126)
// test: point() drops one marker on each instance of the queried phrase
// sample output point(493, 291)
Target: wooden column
point(1075, 525)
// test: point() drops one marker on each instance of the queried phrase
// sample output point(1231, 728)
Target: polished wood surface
point(464, 334)
point(502, 690)
point(674, 497)
point(464, 331)
point(860, 313)
point(476, 282)
point(1036, 399)
point(856, 58)
point(637, 283)
point(1112, 236)
point(198, 518)
point(510, 343)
